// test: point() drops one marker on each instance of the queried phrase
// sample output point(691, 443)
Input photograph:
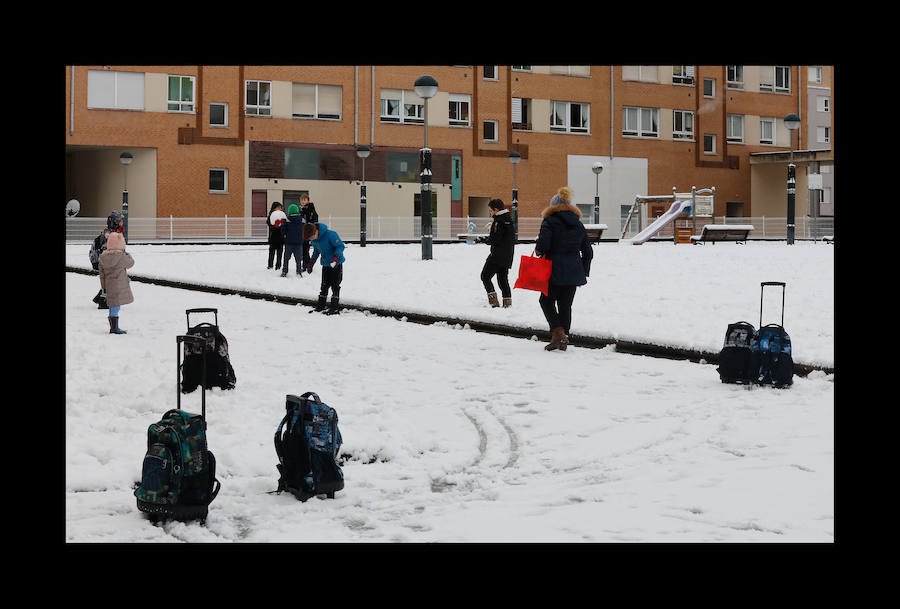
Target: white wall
point(622, 178)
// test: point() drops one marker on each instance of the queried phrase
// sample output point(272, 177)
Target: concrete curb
point(593, 342)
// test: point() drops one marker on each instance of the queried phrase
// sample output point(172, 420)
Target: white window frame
point(815, 74)
point(570, 70)
point(823, 103)
point(771, 123)
point(181, 103)
point(225, 106)
point(566, 126)
point(459, 100)
point(712, 81)
point(257, 108)
point(116, 89)
point(732, 121)
point(403, 117)
point(496, 75)
point(521, 68)
point(785, 73)
point(712, 137)
point(683, 75)
point(823, 135)
point(316, 115)
point(734, 77)
point(496, 125)
point(225, 180)
point(637, 130)
point(685, 133)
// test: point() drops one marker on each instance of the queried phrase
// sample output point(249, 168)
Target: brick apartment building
point(211, 141)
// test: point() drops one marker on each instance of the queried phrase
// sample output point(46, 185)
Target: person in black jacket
point(502, 240)
point(276, 239)
point(310, 216)
point(292, 230)
point(563, 240)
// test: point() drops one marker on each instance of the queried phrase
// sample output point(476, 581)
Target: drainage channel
point(577, 340)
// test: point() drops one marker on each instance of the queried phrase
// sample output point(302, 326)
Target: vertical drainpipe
point(799, 111)
point(372, 111)
point(72, 103)
point(612, 108)
point(355, 106)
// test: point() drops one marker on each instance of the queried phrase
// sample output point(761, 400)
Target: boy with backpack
point(327, 244)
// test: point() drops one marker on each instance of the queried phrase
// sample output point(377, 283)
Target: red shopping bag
point(534, 274)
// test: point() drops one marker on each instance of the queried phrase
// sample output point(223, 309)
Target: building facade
point(213, 141)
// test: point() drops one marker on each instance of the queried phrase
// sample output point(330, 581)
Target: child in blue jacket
point(328, 247)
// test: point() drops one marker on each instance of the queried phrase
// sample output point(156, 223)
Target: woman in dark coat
point(563, 240)
point(502, 240)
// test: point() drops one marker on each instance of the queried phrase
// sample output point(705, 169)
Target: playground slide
point(673, 212)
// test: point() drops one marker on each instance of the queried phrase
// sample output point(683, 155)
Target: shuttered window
point(115, 90)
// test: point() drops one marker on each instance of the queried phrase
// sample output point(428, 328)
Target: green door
point(456, 178)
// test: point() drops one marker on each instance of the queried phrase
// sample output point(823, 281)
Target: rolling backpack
point(736, 359)
point(178, 475)
point(307, 442)
point(212, 351)
point(771, 347)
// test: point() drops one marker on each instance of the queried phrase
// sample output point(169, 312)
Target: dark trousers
point(295, 251)
point(331, 278)
point(306, 247)
point(492, 268)
point(557, 305)
point(275, 249)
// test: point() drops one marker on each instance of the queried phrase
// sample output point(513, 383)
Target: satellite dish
point(72, 208)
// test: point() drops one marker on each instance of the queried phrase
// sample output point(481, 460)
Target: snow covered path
point(450, 435)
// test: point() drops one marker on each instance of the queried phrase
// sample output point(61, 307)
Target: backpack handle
point(197, 340)
point(762, 287)
point(201, 310)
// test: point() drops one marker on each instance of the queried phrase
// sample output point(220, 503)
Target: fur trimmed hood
point(558, 207)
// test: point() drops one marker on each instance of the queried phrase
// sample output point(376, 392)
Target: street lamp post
point(125, 158)
point(362, 152)
point(597, 168)
point(792, 122)
point(426, 87)
point(515, 158)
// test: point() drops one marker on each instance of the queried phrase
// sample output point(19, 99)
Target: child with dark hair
point(328, 247)
point(502, 240)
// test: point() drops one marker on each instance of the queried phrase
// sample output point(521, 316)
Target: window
point(521, 68)
point(766, 78)
point(402, 166)
point(490, 131)
point(767, 131)
point(643, 122)
point(258, 98)
point(490, 72)
point(301, 163)
point(218, 114)
point(642, 73)
point(823, 135)
point(521, 113)
point(815, 74)
point(735, 128)
point(683, 75)
point(823, 103)
point(181, 94)
point(709, 143)
point(709, 87)
point(571, 70)
point(115, 90)
point(399, 106)
point(459, 109)
point(734, 77)
point(315, 101)
point(569, 117)
point(682, 125)
point(783, 79)
point(218, 181)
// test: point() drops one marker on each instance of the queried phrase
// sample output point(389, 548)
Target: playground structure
point(685, 208)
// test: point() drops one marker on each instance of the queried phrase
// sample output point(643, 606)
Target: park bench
point(723, 232)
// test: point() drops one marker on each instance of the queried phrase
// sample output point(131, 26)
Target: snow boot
point(333, 307)
point(558, 340)
point(114, 326)
point(320, 305)
point(492, 299)
point(507, 302)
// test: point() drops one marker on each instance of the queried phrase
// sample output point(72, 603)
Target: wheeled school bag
point(736, 359)
point(178, 476)
point(771, 347)
point(213, 351)
point(307, 442)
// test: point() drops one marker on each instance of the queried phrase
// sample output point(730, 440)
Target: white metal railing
point(392, 228)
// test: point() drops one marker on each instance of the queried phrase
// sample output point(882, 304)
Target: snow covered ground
point(456, 436)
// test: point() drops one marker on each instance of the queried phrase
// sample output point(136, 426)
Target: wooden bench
point(723, 232)
point(595, 231)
